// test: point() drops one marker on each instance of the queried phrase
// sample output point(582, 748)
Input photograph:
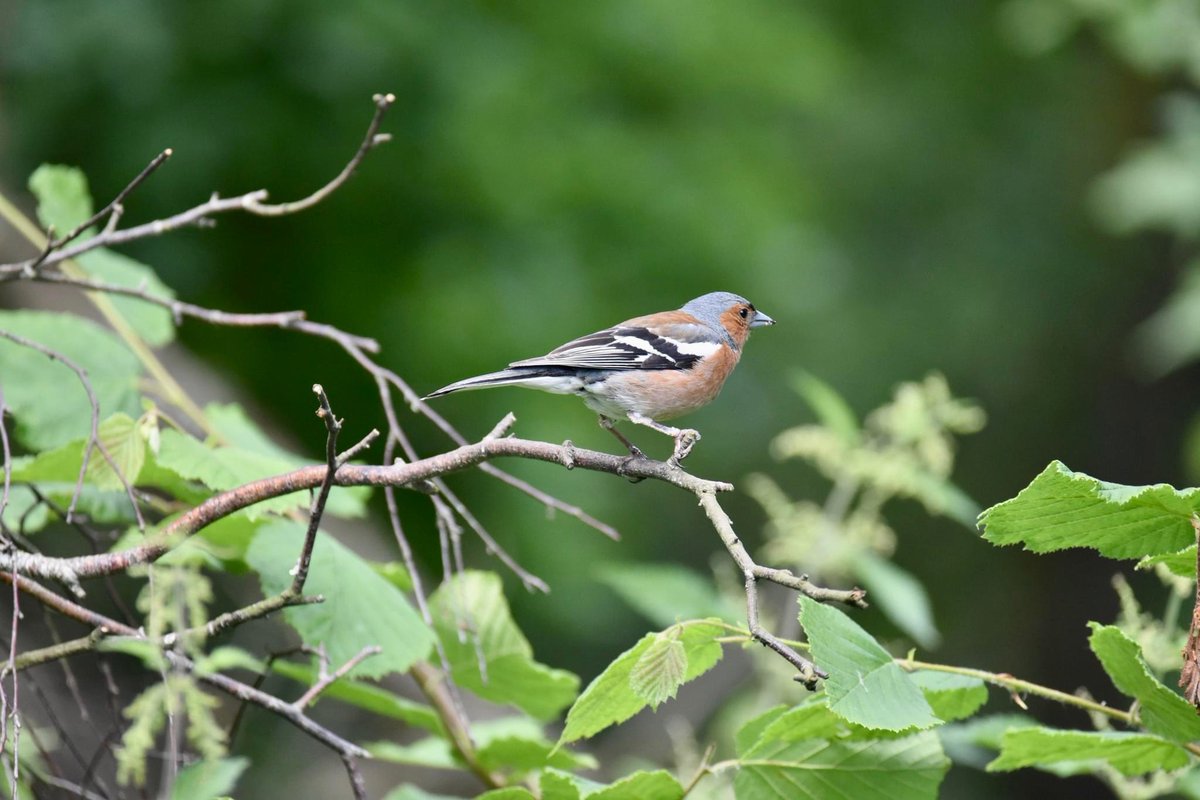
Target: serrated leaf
point(975, 742)
point(223, 468)
point(656, 785)
point(152, 322)
point(905, 768)
point(658, 673)
point(123, 440)
point(472, 604)
point(1181, 563)
point(610, 698)
point(366, 696)
point(47, 400)
point(865, 685)
point(1063, 509)
point(899, 595)
point(665, 593)
point(952, 697)
point(831, 408)
point(810, 720)
point(1162, 710)
point(360, 608)
point(1129, 753)
point(64, 200)
point(205, 780)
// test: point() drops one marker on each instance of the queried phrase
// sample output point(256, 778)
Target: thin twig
point(333, 426)
point(116, 208)
point(226, 684)
point(93, 435)
point(251, 203)
point(326, 681)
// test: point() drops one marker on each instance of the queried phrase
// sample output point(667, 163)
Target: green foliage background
point(903, 186)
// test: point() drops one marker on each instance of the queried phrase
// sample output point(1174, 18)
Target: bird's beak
point(760, 320)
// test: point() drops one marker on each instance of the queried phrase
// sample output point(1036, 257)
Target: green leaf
point(409, 792)
point(222, 468)
point(610, 698)
point(363, 695)
point(1129, 753)
point(205, 780)
point(508, 793)
point(228, 657)
point(64, 201)
point(951, 696)
point(228, 539)
point(658, 673)
point(24, 512)
point(513, 745)
point(1062, 509)
point(360, 608)
point(472, 605)
point(149, 653)
point(810, 720)
point(975, 742)
point(905, 768)
point(394, 573)
point(47, 400)
point(831, 408)
point(657, 785)
point(899, 595)
point(865, 686)
point(1182, 563)
point(518, 744)
point(431, 752)
point(123, 440)
point(750, 732)
point(665, 593)
point(1162, 711)
point(152, 322)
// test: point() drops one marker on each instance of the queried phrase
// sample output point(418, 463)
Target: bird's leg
point(685, 438)
point(609, 425)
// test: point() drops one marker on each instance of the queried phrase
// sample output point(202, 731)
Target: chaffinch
point(644, 369)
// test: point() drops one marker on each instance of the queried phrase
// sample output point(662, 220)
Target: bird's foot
point(685, 440)
point(635, 454)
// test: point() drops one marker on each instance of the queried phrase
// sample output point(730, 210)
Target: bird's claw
point(634, 455)
point(685, 440)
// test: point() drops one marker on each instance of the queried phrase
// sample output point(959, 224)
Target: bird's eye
point(744, 312)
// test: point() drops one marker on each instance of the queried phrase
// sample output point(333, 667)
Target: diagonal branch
point(414, 473)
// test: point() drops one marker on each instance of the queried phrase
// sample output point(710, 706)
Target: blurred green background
point(904, 187)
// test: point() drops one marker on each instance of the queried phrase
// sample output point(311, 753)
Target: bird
point(644, 370)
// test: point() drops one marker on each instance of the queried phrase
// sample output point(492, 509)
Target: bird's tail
point(505, 377)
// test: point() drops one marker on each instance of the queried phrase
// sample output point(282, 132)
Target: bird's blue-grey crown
point(708, 308)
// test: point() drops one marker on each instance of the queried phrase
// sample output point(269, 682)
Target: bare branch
point(115, 208)
point(326, 681)
point(226, 684)
point(250, 202)
point(6, 454)
point(333, 427)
